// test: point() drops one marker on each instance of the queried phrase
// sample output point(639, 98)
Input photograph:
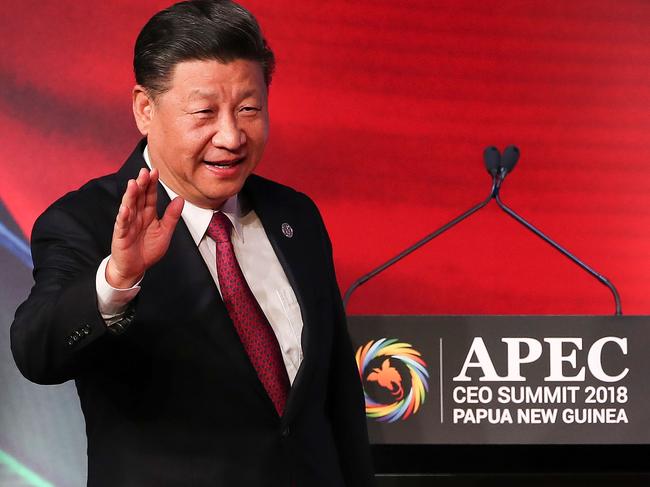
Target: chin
point(219, 198)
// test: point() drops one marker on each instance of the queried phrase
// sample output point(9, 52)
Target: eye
point(203, 113)
point(249, 110)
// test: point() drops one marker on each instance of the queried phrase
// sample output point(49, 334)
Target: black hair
point(197, 30)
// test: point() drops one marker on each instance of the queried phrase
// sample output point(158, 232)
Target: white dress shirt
point(259, 264)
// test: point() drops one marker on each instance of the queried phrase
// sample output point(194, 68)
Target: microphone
point(509, 159)
point(506, 166)
point(492, 160)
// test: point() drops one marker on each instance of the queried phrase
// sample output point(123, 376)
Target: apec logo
point(562, 354)
point(394, 377)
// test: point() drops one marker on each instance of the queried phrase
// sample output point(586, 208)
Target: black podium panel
point(490, 397)
point(516, 480)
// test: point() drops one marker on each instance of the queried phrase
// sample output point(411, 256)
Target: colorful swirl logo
point(390, 360)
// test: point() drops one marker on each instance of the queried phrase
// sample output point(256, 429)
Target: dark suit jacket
point(174, 401)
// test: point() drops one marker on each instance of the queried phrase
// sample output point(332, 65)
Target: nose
point(228, 135)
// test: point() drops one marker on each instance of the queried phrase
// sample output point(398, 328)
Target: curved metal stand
point(497, 181)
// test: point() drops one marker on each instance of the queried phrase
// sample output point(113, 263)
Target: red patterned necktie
point(253, 328)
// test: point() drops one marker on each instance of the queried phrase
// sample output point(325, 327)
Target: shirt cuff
point(112, 302)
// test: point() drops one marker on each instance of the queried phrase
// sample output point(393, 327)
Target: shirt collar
point(196, 218)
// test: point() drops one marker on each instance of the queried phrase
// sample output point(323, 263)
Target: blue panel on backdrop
point(42, 440)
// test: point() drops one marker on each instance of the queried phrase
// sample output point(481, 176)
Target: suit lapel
point(199, 297)
point(184, 289)
point(194, 291)
point(290, 250)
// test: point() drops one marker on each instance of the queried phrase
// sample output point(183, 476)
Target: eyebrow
point(201, 93)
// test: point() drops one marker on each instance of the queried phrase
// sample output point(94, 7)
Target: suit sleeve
point(345, 401)
point(57, 331)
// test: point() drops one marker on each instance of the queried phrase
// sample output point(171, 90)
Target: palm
point(140, 238)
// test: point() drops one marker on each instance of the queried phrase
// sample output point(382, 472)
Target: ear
point(143, 107)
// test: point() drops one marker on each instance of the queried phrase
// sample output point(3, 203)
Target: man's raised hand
point(140, 239)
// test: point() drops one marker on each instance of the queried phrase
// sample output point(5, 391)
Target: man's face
point(208, 131)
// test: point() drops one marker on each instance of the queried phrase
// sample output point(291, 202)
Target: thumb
point(172, 214)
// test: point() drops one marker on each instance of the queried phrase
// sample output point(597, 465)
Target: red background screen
point(380, 111)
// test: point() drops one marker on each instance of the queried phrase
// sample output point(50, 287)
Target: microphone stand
point(497, 180)
point(418, 244)
point(558, 247)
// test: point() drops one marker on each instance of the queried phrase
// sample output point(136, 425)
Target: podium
point(506, 400)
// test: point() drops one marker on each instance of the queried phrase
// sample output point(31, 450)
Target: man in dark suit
point(197, 310)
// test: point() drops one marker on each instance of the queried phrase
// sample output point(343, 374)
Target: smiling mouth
point(224, 164)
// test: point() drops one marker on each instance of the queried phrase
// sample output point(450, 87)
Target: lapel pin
point(287, 231)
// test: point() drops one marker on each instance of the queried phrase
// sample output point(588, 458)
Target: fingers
point(127, 209)
point(135, 194)
point(132, 203)
point(143, 184)
point(122, 222)
point(151, 196)
point(138, 208)
point(139, 238)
